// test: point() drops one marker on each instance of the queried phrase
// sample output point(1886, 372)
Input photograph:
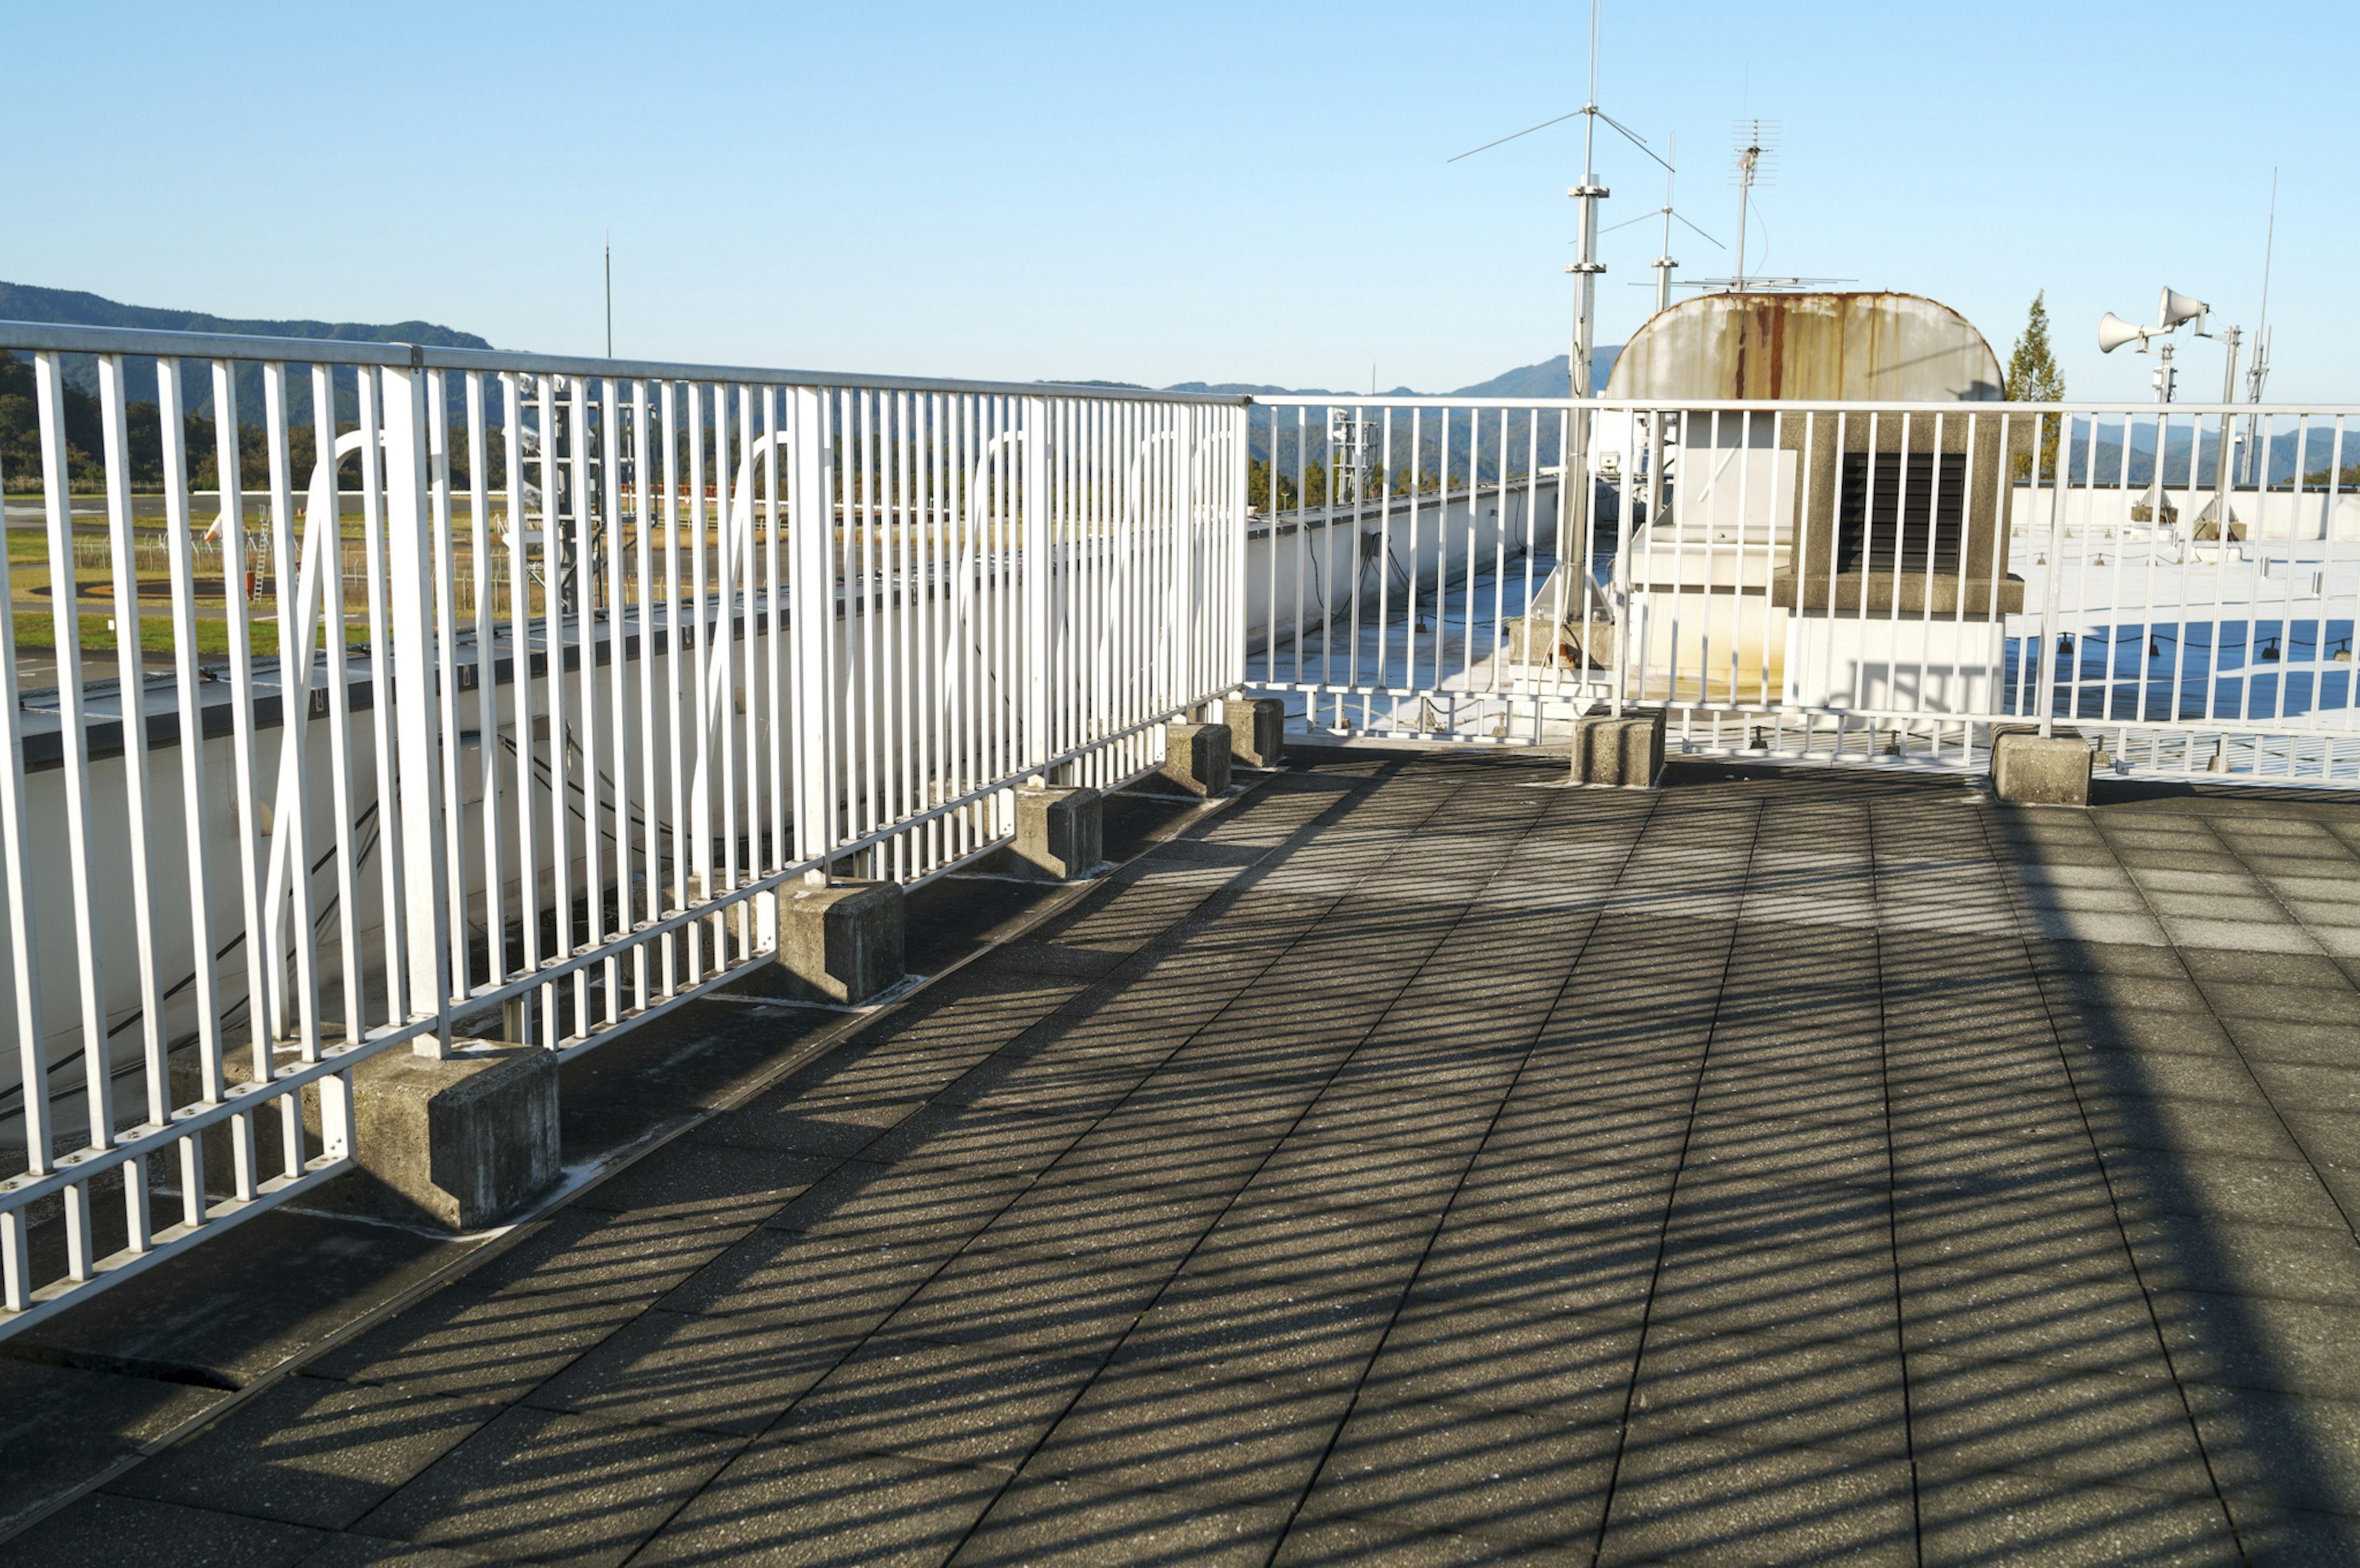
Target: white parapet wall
point(1933, 665)
point(2277, 514)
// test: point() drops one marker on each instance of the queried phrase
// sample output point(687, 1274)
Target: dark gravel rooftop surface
point(1418, 1161)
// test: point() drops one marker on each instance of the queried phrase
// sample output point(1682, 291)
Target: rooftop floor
point(1420, 1161)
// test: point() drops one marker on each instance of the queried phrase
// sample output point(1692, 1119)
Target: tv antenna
point(1754, 161)
point(1585, 267)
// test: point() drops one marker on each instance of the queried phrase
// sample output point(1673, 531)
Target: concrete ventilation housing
point(1830, 515)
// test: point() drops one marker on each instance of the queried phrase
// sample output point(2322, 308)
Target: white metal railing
point(522, 719)
point(1878, 583)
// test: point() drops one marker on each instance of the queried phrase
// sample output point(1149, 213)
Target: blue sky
point(1157, 193)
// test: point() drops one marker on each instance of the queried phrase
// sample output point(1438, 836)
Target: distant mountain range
point(1273, 439)
point(2190, 455)
point(72, 307)
point(1546, 379)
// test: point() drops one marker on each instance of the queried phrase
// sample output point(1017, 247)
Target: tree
point(2033, 378)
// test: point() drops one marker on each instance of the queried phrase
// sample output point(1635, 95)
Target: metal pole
point(1585, 267)
point(1574, 510)
point(1744, 189)
point(1663, 263)
point(2253, 430)
point(2231, 340)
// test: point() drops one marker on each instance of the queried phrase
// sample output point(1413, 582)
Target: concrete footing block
point(839, 944)
point(1257, 730)
point(1626, 751)
point(459, 1143)
point(463, 1142)
point(2030, 769)
point(1197, 757)
point(1060, 832)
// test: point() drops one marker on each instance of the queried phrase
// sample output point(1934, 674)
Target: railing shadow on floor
point(1892, 1138)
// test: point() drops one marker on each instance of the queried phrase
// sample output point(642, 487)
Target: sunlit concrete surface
point(1422, 1161)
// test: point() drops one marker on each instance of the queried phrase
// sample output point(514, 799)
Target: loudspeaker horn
point(2177, 307)
point(2113, 332)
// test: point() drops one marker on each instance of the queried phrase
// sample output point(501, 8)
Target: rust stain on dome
point(1849, 347)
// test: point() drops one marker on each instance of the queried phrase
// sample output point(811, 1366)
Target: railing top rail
point(37, 336)
point(1792, 406)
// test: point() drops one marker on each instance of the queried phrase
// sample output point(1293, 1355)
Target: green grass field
point(36, 632)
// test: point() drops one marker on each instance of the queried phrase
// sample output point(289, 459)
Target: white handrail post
point(1184, 518)
point(25, 966)
point(2054, 568)
point(416, 703)
point(1035, 548)
point(812, 519)
point(1582, 522)
point(1234, 528)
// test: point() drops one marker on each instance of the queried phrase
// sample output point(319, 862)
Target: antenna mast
point(1757, 154)
point(2261, 368)
point(2262, 326)
point(1586, 268)
point(1572, 519)
point(1663, 263)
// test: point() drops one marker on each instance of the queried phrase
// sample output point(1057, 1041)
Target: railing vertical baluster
point(675, 739)
point(2330, 504)
point(65, 617)
point(732, 447)
point(596, 530)
point(488, 689)
point(77, 1218)
point(530, 1006)
point(325, 567)
point(698, 808)
point(1806, 522)
point(1036, 536)
point(774, 663)
point(198, 853)
point(1235, 536)
point(444, 610)
point(417, 705)
point(24, 951)
point(645, 478)
point(810, 519)
point(611, 415)
point(2258, 536)
point(230, 522)
point(376, 534)
point(132, 703)
point(1301, 520)
point(2045, 676)
point(1573, 502)
point(587, 457)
